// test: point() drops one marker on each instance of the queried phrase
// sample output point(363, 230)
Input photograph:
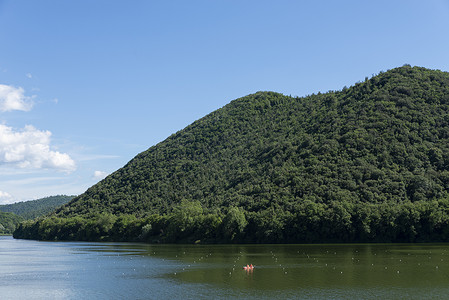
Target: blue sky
point(87, 85)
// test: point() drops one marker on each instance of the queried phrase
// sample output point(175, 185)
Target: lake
point(84, 270)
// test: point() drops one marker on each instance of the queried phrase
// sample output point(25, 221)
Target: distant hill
point(8, 222)
point(367, 163)
point(36, 208)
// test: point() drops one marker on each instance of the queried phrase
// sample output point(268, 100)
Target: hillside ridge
point(272, 168)
point(34, 208)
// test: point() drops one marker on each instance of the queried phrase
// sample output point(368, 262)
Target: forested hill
point(35, 208)
point(8, 222)
point(367, 163)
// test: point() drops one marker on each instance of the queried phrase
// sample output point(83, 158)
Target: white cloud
point(6, 198)
point(30, 148)
point(99, 175)
point(12, 98)
point(29, 75)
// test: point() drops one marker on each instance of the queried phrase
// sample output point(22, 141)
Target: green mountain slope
point(36, 208)
point(368, 163)
point(8, 222)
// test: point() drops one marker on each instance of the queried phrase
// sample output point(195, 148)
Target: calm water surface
point(75, 270)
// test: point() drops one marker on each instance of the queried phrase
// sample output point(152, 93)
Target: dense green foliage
point(36, 208)
point(307, 222)
point(9, 222)
point(368, 163)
